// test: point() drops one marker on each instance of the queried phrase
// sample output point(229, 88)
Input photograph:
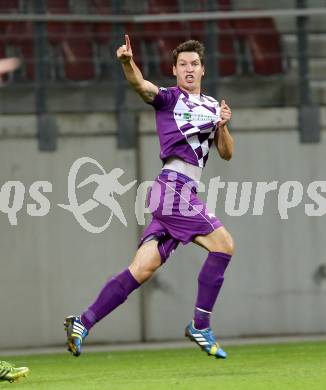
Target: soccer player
point(9, 372)
point(188, 123)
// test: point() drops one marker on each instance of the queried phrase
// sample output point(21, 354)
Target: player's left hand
point(225, 113)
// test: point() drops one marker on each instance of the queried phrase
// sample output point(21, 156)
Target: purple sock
point(113, 294)
point(210, 280)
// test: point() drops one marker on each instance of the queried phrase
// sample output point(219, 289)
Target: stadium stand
point(264, 43)
point(105, 37)
point(84, 51)
point(165, 35)
point(102, 30)
point(225, 54)
point(17, 38)
point(74, 42)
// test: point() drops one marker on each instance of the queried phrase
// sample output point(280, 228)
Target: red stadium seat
point(102, 30)
point(75, 42)
point(166, 35)
point(177, 32)
point(9, 6)
point(57, 30)
point(171, 34)
point(224, 5)
point(19, 35)
point(6, 6)
point(135, 37)
point(168, 40)
point(78, 52)
point(2, 55)
point(264, 43)
point(58, 6)
point(2, 49)
point(227, 61)
point(170, 29)
point(202, 5)
point(162, 6)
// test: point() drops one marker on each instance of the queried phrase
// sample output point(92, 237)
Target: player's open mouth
point(190, 77)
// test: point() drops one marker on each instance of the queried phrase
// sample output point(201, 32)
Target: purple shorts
point(178, 215)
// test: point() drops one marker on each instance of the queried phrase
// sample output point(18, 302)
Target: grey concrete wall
point(51, 267)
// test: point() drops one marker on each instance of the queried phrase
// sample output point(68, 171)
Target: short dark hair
point(189, 46)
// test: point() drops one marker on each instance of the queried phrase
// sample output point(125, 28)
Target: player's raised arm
point(223, 139)
point(144, 88)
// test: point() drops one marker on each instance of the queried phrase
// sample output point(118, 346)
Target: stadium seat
point(20, 36)
point(9, 6)
point(2, 48)
point(104, 35)
point(264, 43)
point(162, 6)
point(6, 6)
point(224, 5)
point(227, 61)
point(78, 52)
point(167, 37)
point(164, 35)
point(102, 30)
point(75, 42)
point(2, 55)
point(170, 34)
point(171, 30)
point(136, 37)
point(207, 6)
point(57, 30)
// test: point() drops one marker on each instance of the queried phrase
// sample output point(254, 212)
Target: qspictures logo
point(107, 187)
point(239, 197)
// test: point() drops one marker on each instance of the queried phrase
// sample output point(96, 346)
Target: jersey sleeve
point(163, 99)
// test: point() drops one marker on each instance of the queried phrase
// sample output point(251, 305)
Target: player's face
point(189, 71)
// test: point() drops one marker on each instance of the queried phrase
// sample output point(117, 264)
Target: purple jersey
point(185, 124)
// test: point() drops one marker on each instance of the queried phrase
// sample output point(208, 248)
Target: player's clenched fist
point(124, 53)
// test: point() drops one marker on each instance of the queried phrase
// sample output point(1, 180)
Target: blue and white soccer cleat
point(76, 333)
point(206, 340)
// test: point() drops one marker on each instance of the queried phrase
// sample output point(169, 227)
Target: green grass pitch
point(283, 366)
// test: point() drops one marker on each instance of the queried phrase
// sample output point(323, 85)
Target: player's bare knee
point(228, 245)
point(224, 243)
point(144, 265)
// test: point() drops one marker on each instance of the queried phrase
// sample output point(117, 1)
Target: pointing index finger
point(127, 42)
